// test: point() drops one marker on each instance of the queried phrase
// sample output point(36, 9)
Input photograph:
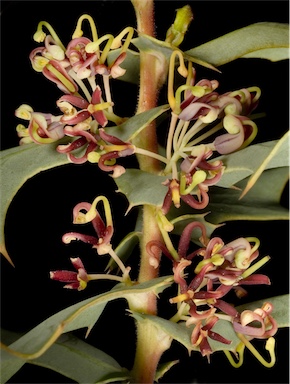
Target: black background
point(41, 211)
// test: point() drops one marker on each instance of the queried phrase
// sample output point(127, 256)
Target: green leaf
point(142, 187)
point(76, 360)
point(81, 315)
point(134, 125)
point(278, 157)
point(261, 203)
point(17, 166)
point(247, 161)
point(163, 368)
point(261, 40)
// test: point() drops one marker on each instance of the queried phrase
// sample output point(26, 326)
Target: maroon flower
point(76, 280)
point(200, 334)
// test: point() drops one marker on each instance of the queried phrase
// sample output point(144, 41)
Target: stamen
point(182, 297)
point(117, 40)
point(196, 90)
point(270, 345)
point(163, 229)
point(104, 276)
point(253, 240)
point(78, 31)
point(182, 70)
point(95, 47)
point(91, 214)
point(205, 135)
point(173, 122)
point(240, 352)
point(61, 77)
point(198, 177)
point(252, 135)
point(118, 262)
point(258, 93)
point(72, 73)
point(39, 35)
point(254, 267)
point(108, 92)
point(151, 154)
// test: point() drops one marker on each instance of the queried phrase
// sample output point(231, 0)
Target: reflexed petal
point(63, 276)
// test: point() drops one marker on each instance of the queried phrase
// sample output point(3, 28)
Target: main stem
point(148, 351)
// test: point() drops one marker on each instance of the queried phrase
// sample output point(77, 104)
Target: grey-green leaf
point(17, 166)
point(135, 124)
point(163, 368)
point(81, 315)
point(262, 202)
point(261, 40)
point(76, 360)
point(142, 187)
point(245, 162)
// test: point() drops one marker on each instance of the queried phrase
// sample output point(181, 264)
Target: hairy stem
point(147, 139)
point(148, 350)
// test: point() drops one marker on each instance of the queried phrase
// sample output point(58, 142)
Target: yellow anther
point(174, 186)
point(198, 177)
point(118, 39)
point(39, 35)
point(99, 107)
point(196, 90)
point(183, 297)
point(93, 157)
point(95, 47)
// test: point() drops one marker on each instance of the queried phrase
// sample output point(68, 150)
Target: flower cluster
point(215, 269)
point(84, 213)
point(81, 66)
point(199, 115)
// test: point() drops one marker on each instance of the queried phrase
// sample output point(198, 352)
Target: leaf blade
point(250, 40)
point(17, 166)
